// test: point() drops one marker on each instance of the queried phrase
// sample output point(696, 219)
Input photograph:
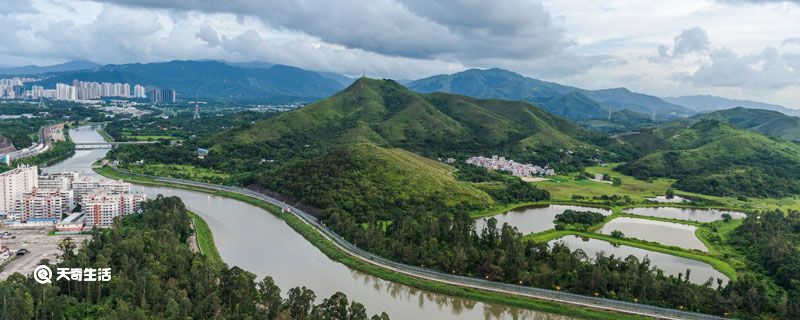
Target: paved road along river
point(252, 238)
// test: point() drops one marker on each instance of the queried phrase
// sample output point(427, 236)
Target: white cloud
point(767, 70)
point(694, 40)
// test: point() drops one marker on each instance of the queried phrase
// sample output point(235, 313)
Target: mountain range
point(706, 103)
point(507, 85)
point(380, 125)
point(62, 67)
point(213, 80)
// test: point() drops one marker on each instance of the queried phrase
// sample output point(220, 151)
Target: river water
point(257, 241)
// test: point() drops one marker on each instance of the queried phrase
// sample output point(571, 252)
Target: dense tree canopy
point(157, 276)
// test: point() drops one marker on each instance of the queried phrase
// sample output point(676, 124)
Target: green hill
point(715, 158)
point(373, 183)
point(385, 113)
point(772, 123)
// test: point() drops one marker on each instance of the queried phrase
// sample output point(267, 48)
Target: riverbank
point(205, 240)
point(336, 253)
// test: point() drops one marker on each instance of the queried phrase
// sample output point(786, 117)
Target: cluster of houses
point(511, 166)
point(51, 200)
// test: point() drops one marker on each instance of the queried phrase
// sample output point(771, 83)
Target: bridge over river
point(107, 145)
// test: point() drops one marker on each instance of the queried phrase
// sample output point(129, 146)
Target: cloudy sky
point(732, 48)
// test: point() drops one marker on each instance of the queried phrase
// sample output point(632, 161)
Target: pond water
point(534, 219)
point(666, 233)
point(691, 214)
point(672, 265)
point(664, 199)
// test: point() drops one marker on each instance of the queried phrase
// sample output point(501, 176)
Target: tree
point(616, 182)
point(270, 296)
point(617, 234)
point(299, 302)
point(670, 194)
point(726, 217)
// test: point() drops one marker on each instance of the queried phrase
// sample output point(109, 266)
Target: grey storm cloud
point(454, 29)
point(688, 41)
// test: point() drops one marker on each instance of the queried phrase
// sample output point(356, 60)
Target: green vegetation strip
point(716, 263)
point(205, 240)
point(335, 253)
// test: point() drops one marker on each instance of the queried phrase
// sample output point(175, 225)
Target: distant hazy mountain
point(343, 80)
point(214, 80)
point(705, 103)
point(504, 84)
point(62, 67)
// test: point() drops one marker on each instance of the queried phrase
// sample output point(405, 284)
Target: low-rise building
point(74, 223)
point(515, 168)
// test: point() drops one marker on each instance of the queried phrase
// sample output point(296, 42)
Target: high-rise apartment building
point(86, 185)
point(14, 183)
point(162, 96)
point(101, 207)
point(61, 181)
point(43, 204)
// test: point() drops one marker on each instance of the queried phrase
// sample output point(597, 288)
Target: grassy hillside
point(373, 183)
point(715, 158)
point(772, 123)
point(385, 113)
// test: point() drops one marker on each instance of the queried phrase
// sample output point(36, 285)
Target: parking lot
point(38, 243)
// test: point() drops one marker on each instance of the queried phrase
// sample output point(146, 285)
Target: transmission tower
point(197, 108)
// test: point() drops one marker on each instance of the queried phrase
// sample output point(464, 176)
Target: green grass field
point(182, 171)
point(149, 137)
point(562, 187)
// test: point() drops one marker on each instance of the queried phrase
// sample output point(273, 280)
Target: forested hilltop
point(712, 157)
point(156, 276)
